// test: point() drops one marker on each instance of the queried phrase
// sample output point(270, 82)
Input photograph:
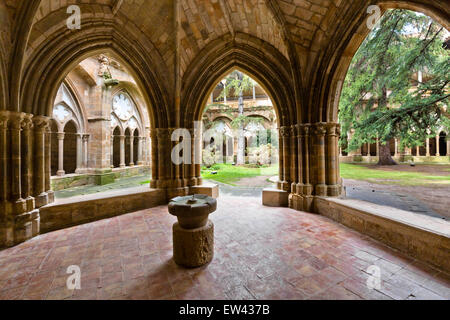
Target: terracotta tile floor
point(261, 253)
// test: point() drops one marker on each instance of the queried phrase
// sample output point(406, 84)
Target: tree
point(238, 83)
point(378, 98)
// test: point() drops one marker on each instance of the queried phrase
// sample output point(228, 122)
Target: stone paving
point(260, 253)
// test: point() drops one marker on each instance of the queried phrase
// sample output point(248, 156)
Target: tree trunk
point(385, 158)
point(241, 138)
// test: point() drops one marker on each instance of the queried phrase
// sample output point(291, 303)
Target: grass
point(227, 173)
point(359, 172)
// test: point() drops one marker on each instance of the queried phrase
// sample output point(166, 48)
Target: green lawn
point(227, 173)
point(360, 172)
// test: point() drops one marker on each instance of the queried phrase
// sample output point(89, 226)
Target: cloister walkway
point(261, 253)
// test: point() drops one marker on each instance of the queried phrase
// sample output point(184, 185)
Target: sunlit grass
point(360, 172)
point(227, 173)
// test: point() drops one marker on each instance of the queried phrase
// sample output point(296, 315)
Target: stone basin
point(192, 211)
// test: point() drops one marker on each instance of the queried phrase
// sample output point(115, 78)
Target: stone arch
point(49, 64)
point(69, 104)
point(221, 57)
point(339, 55)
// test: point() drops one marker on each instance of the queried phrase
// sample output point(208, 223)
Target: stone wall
point(423, 238)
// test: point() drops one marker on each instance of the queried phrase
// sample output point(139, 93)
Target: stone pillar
point(300, 152)
point(27, 161)
point(285, 133)
point(428, 147)
point(48, 165)
point(198, 153)
point(79, 153)
point(139, 159)
point(333, 159)
point(40, 126)
point(418, 151)
point(122, 151)
point(321, 187)
point(192, 180)
point(15, 127)
point(438, 151)
point(85, 150)
point(448, 146)
point(154, 157)
point(281, 180)
point(307, 187)
point(163, 143)
point(4, 186)
point(61, 171)
point(112, 151)
point(293, 162)
point(131, 150)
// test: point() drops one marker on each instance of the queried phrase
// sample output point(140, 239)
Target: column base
point(321, 190)
point(193, 248)
point(41, 200)
point(334, 190)
point(60, 173)
point(275, 198)
point(51, 196)
point(19, 207)
point(26, 226)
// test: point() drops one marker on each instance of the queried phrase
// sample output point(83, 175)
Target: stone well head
point(192, 211)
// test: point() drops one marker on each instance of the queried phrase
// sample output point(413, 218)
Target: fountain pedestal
point(193, 234)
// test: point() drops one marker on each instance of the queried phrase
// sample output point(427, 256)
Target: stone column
point(111, 151)
point(307, 187)
point(428, 147)
point(321, 187)
point(293, 162)
point(281, 180)
point(163, 142)
point(300, 153)
point(286, 139)
point(154, 157)
point(198, 153)
point(48, 165)
point(79, 153)
point(15, 126)
point(27, 161)
point(61, 171)
point(139, 159)
point(122, 151)
point(131, 151)
point(40, 126)
point(448, 146)
point(438, 151)
point(333, 159)
point(85, 150)
point(192, 180)
point(4, 187)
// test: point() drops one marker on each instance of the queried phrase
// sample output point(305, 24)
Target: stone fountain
point(193, 234)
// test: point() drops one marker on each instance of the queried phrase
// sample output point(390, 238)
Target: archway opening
point(240, 133)
point(70, 148)
point(116, 148)
point(395, 98)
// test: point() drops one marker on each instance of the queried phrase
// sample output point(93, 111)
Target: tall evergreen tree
point(381, 98)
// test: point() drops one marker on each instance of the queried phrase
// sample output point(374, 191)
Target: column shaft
point(61, 171)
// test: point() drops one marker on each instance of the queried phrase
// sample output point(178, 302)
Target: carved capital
point(40, 123)
point(285, 132)
point(320, 129)
point(305, 129)
point(16, 120)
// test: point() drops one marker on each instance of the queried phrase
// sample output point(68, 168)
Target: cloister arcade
point(168, 60)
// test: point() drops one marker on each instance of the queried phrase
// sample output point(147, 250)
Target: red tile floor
point(260, 253)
